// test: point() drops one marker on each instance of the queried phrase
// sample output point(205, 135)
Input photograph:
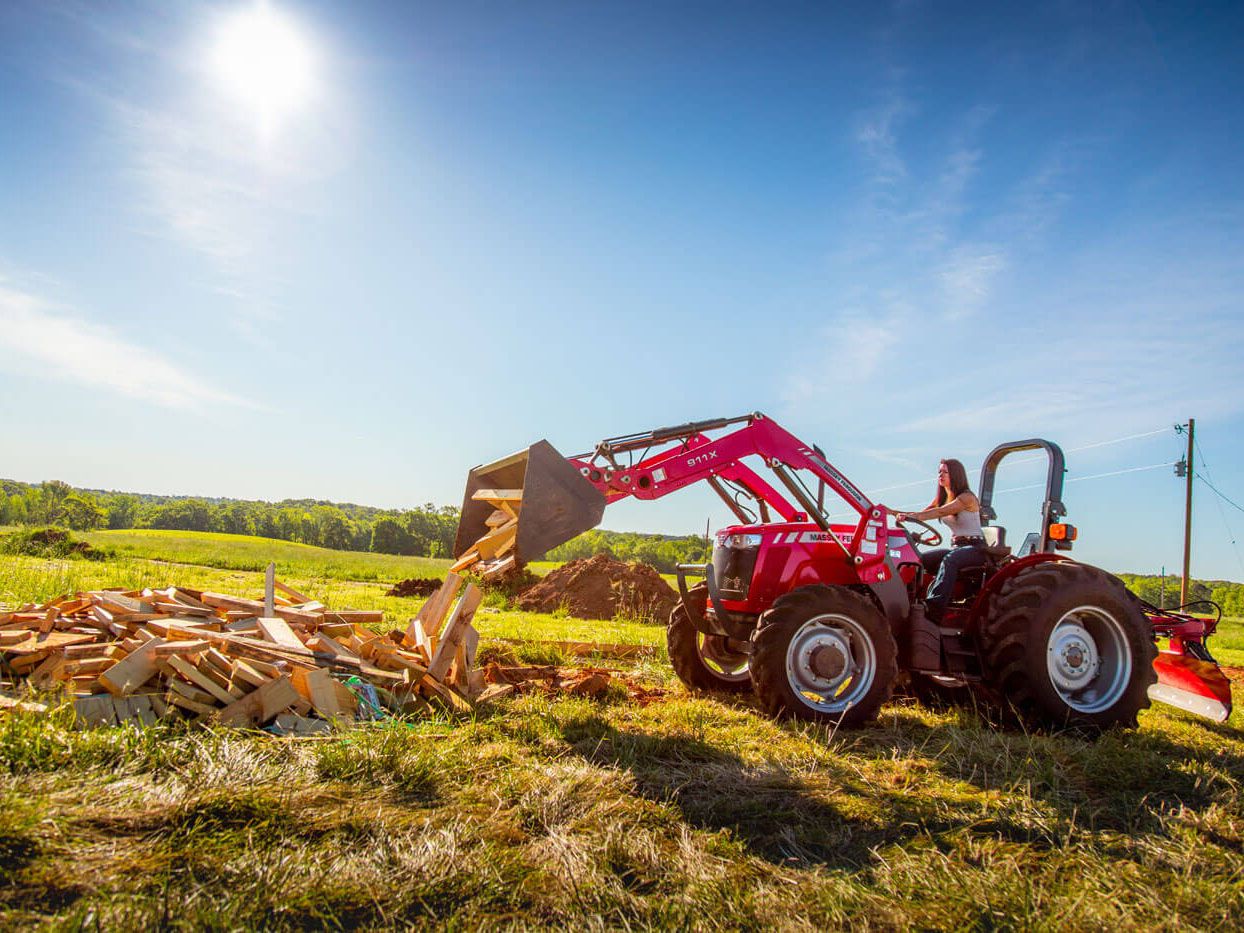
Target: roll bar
point(1052, 509)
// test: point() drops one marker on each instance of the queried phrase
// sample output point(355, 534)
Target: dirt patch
point(602, 588)
point(576, 681)
point(415, 586)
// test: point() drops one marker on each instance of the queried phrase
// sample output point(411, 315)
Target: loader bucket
point(557, 502)
point(1193, 685)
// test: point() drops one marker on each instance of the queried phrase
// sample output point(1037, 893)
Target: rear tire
point(1066, 646)
point(826, 654)
point(705, 662)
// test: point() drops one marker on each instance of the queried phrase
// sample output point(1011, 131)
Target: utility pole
point(1183, 587)
point(1162, 592)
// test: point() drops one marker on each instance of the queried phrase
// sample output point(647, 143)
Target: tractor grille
point(733, 568)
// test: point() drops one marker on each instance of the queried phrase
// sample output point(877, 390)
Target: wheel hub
point(831, 663)
point(1089, 659)
point(1073, 655)
point(827, 662)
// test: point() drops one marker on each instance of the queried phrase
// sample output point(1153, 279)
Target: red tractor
point(815, 616)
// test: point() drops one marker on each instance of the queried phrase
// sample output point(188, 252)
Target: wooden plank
point(245, 672)
point(122, 710)
point(434, 688)
point(293, 724)
point(200, 679)
point(356, 616)
point(260, 705)
point(290, 592)
point(279, 632)
point(256, 608)
point(454, 631)
point(95, 710)
point(497, 568)
point(432, 613)
point(36, 642)
point(43, 676)
point(127, 675)
point(142, 710)
point(497, 541)
point(498, 495)
point(191, 692)
point(465, 561)
point(191, 706)
point(319, 688)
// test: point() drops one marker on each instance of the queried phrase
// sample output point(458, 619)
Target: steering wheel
point(931, 538)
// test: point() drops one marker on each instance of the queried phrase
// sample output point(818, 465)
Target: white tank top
point(965, 524)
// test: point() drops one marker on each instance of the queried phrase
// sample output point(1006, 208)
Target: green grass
point(692, 812)
point(243, 552)
point(1227, 644)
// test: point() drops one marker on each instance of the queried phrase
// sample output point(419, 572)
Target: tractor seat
point(995, 543)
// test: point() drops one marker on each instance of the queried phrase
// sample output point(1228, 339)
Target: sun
point(263, 60)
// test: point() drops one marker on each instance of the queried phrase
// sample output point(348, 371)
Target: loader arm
point(557, 498)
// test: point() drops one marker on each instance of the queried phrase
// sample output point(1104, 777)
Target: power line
point(1218, 502)
point(1218, 492)
point(1117, 440)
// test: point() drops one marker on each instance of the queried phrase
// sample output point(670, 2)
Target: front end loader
point(815, 615)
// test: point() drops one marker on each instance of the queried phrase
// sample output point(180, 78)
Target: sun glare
point(261, 58)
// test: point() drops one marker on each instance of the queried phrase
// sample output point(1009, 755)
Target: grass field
point(691, 812)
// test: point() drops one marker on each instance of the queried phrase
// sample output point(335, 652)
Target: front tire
point(705, 662)
point(824, 653)
point(1066, 646)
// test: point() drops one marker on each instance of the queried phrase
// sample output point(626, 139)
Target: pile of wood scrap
point(490, 556)
point(137, 656)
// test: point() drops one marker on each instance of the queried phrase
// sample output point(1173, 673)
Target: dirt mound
point(47, 542)
point(415, 586)
point(602, 588)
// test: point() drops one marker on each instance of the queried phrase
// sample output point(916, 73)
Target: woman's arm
point(965, 500)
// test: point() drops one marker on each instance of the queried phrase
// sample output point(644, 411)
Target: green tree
point(81, 512)
point(182, 515)
point(123, 510)
point(389, 537)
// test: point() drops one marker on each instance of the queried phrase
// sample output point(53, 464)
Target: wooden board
point(130, 673)
point(260, 705)
point(278, 632)
point(38, 641)
point(432, 613)
point(498, 495)
point(454, 631)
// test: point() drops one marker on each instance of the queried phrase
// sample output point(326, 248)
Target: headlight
point(743, 541)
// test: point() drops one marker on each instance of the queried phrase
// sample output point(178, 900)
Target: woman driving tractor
point(958, 508)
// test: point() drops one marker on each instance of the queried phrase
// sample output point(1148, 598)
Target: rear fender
point(980, 606)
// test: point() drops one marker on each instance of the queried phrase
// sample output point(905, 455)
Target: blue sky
point(906, 231)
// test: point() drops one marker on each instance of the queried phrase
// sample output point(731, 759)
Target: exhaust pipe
point(554, 504)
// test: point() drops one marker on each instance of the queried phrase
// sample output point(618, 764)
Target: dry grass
point(570, 813)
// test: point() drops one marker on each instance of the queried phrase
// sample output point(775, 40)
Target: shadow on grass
point(776, 814)
point(1125, 780)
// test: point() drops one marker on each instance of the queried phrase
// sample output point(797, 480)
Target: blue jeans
point(948, 564)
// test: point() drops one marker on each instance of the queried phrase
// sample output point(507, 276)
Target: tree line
point(1165, 592)
point(427, 531)
point(661, 551)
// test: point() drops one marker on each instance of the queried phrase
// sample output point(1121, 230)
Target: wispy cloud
point(967, 276)
point(39, 339)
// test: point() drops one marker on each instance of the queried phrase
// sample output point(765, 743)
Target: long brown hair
point(958, 481)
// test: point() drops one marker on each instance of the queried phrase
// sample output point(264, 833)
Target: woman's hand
point(901, 516)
